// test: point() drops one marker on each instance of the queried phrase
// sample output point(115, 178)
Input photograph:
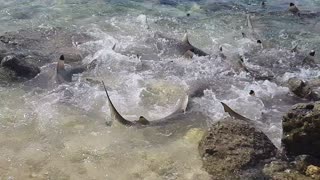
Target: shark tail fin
point(182, 104)
point(185, 102)
point(188, 54)
point(114, 46)
point(114, 113)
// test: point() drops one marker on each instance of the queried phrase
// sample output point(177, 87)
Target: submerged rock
point(20, 67)
point(313, 171)
point(302, 89)
point(274, 167)
point(230, 147)
point(301, 162)
point(23, 52)
point(288, 175)
point(301, 133)
point(43, 42)
point(281, 169)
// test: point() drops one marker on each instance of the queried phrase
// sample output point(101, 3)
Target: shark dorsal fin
point(188, 54)
point(185, 39)
point(114, 46)
point(295, 48)
point(249, 23)
point(234, 114)
point(184, 103)
point(60, 65)
point(142, 120)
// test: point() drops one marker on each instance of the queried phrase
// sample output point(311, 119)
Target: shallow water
point(61, 132)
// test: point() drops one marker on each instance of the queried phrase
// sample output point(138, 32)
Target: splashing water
point(60, 132)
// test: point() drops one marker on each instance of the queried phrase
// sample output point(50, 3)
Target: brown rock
point(231, 146)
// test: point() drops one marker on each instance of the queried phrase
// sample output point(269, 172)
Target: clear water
point(60, 132)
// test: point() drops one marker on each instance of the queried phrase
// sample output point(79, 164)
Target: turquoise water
point(60, 133)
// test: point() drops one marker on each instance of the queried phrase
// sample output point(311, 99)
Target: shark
point(159, 45)
point(64, 74)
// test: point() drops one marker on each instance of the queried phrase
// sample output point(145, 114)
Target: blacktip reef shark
point(252, 34)
point(162, 46)
point(234, 114)
point(182, 47)
point(65, 75)
point(142, 121)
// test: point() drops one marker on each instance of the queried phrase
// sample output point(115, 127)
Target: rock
point(30, 49)
point(275, 166)
point(288, 175)
point(169, 2)
point(313, 171)
point(301, 133)
point(302, 89)
point(45, 44)
point(303, 161)
point(7, 76)
point(282, 170)
point(20, 67)
point(231, 146)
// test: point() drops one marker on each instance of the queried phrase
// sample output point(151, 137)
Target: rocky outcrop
point(302, 167)
point(230, 147)
point(23, 52)
point(20, 67)
point(313, 172)
point(44, 42)
point(301, 130)
point(302, 89)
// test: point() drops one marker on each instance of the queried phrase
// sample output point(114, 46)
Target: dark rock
point(20, 67)
point(222, 6)
point(7, 76)
point(302, 89)
point(279, 169)
point(230, 147)
point(28, 49)
point(288, 175)
point(44, 44)
point(169, 2)
point(303, 161)
point(301, 133)
point(274, 167)
point(313, 172)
